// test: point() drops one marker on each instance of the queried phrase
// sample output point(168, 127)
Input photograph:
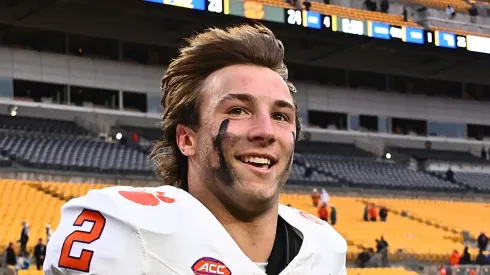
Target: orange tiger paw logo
point(146, 198)
point(253, 10)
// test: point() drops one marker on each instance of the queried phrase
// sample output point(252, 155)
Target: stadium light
point(118, 136)
point(12, 110)
point(388, 156)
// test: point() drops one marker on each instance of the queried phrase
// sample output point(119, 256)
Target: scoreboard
point(333, 23)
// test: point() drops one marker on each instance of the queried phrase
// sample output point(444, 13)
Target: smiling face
point(244, 146)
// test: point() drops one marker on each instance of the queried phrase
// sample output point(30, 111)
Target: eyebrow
point(251, 99)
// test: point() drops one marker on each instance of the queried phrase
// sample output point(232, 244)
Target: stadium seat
point(460, 216)
point(380, 271)
point(25, 203)
point(403, 235)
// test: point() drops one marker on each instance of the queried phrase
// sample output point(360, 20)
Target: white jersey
point(166, 231)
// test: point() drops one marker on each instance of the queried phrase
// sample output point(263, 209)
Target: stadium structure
point(393, 94)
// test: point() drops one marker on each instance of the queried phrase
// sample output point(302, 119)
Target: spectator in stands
point(323, 212)
point(39, 253)
point(23, 261)
point(384, 6)
point(466, 257)
point(363, 258)
point(333, 215)
point(324, 197)
point(482, 241)
point(450, 12)
point(49, 232)
point(382, 248)
point(307, 5)
point(373, 212)
point(405, 14)
point(454, 258)
point(308, 171)
point(481, 259)
point(383, 214)
point(315, 197)
point(473, 13)
point(483, 153)
point(24, 237)
point(450, 175)
point(365, 216)
point(10, 256)
point(370, 5)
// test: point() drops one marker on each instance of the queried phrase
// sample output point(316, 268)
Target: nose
point(262, 130)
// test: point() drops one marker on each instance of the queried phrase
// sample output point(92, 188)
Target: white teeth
point(257, 160)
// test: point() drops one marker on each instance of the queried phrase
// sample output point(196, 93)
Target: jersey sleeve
point(93, 238)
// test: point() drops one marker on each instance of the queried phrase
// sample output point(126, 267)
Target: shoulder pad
point(309, 224)
point(154, 209)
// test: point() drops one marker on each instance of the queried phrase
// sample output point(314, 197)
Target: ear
point(186, 140)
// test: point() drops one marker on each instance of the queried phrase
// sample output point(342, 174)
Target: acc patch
point(311, 218)
point(210, 266)
point(146, 198)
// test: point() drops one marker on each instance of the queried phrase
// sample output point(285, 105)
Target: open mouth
point(259, 162)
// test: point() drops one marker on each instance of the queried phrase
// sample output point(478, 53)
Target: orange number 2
point(82, 263)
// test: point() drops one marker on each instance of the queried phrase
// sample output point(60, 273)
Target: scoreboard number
point(429, 37)
point(326, 22)
point(215, 6)
point(294, 17)
point(461, 41)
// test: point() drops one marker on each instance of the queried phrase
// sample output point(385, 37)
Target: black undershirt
point(286, 246)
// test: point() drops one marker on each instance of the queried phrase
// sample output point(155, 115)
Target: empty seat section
point(41, 125)
point(75, 154)
point(480, 181)
point(440, 155)
point(371, 173)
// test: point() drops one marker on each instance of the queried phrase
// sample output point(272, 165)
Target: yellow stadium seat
point(380, 271)
point(30, 272)
point(30, 202)
point(403, 234)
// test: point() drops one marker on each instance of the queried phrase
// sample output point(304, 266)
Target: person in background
point(481, 259)
point(39, 253)
point(454, 258)
point(363, 257)
point(315, 197)
point(482, 241)
point(333, 215)
point(373, 212)
point(49, 231)
point(383, 213)
point(365, 215)
point(466, 257)
point(324, 197)
point(323, 212)
point(11, 258)
point(24, 237)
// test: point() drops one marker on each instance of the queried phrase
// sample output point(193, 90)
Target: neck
point(255, 237)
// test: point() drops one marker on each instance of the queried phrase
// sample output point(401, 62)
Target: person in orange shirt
point(373, 212)
point(323, 212)
point(454, 259)
point(315, 197)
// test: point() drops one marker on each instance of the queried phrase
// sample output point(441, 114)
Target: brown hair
point(181, 85)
